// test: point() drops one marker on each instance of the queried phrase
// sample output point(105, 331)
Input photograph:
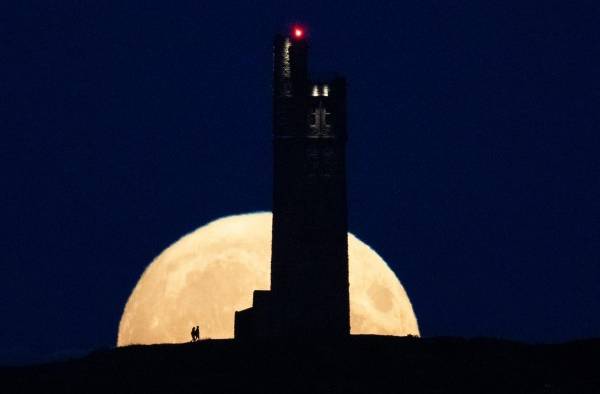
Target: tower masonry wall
point(309, 261)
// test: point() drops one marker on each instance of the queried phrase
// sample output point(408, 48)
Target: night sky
point(473, 158)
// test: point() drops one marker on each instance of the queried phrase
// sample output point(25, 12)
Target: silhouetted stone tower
point(309, 261)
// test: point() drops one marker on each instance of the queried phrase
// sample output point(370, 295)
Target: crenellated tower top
point(304, 107)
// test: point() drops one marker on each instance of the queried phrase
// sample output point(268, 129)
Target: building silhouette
point(309, 257)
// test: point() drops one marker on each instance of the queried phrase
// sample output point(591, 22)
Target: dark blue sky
point(474, 153)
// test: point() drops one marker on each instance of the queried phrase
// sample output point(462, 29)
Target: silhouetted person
point(194, 334)
point(197, 333)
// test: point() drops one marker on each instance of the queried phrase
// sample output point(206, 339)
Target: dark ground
point(360, 364)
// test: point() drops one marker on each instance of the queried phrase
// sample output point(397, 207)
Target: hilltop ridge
point(357, 364)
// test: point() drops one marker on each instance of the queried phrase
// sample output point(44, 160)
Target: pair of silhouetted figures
point(195, 333)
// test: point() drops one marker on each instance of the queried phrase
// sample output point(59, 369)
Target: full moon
point(207, 275)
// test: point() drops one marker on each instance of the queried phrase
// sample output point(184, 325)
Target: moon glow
point(207, 275)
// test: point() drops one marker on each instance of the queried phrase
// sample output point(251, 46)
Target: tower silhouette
point(309, 257)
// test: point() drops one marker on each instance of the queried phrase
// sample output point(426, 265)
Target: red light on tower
point(298, 32)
